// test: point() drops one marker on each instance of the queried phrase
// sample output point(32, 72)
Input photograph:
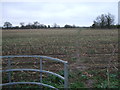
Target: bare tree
point(22, 24)
point(7, 25)
point(109, 20)
point(48, 26)
point(56, 26)
point(36, 24)
point(104, 21)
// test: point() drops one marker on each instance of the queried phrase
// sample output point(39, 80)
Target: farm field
point(92, 54)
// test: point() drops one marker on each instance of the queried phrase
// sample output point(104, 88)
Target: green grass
point(103, 82)
point(88, 52)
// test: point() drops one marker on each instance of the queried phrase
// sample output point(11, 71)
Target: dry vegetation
point(92, 54)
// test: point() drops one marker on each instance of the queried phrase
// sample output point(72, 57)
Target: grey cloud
point(81, 14)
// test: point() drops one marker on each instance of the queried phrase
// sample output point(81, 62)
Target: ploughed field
point(92, 54)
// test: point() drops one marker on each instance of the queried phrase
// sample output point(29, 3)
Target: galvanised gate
point(65, 78)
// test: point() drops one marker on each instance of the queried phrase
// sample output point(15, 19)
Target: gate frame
point(65, 78)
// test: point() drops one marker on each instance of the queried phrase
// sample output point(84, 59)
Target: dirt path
point(80, 65)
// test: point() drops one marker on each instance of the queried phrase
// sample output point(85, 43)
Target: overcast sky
point(78, 13)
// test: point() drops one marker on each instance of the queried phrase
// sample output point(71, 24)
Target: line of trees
point(35, 25)
point(102, 21)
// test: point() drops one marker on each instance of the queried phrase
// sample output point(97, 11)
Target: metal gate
point(65, 78)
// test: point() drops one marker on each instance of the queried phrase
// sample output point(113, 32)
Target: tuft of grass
point(77, 85)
